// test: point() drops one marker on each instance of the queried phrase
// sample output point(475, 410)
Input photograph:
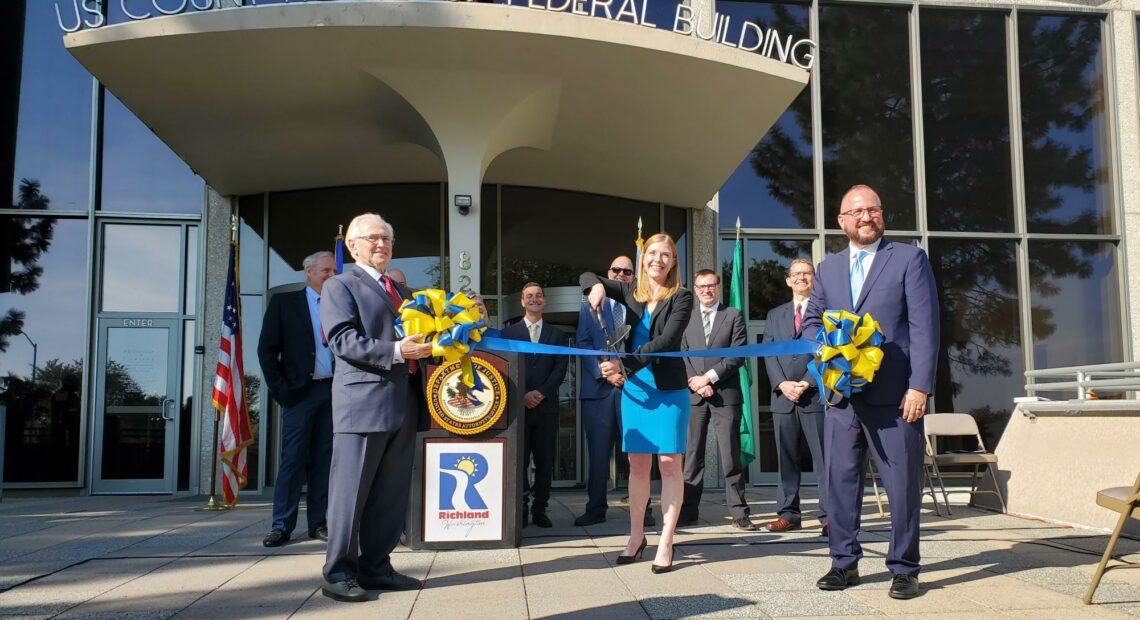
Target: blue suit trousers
point(306, 454)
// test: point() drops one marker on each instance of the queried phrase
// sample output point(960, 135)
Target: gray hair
point(357, 222)
point(800, 260)
point(312, 259)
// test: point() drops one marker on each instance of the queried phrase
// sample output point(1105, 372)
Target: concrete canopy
point(280, 97)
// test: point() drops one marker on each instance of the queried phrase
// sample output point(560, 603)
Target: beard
point(866, 235)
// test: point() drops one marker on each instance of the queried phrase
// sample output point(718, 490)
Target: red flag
point(229, 392)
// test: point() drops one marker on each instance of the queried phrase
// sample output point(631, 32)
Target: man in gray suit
point(796, 407)
point(716, 398)
point(375, 409)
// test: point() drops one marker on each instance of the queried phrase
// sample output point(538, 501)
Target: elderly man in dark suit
point(298, 366)
point(796, 407)
point(600, 396)
point(714, 383)
point(375, 410)
point(895, 284)
point(544, 373)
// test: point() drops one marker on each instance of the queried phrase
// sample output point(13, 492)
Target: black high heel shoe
point(657, 569)
point(630, 559)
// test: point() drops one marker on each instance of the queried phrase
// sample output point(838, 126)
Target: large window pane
point(191, 270)
point(53, 143)
point(552, 236)
point(1076, 303)
point(772, 187)
point(980, 360)
point(965, 107)
point(252, 310)
point(251, 242)
point(1064, 123)
point(304, 222)
point(866, 109)
point(43, 299)
point(140, 174)
point(140, 268)
point(767, 264)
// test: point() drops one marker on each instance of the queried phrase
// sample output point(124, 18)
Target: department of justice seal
point(463, 410)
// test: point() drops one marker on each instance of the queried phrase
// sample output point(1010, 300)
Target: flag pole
point(213, 503)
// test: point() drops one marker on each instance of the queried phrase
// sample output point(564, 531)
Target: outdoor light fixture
point(463, 203)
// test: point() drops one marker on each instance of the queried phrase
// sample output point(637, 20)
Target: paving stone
point(701, 606)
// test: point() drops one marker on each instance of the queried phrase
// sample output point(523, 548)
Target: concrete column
point(217, 233)
point(1127, 100)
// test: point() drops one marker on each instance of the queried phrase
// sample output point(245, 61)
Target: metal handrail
point(1117, 376)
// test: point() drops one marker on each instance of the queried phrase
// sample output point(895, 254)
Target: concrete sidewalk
point(145, 557)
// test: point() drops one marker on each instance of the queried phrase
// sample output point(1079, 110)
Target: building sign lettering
point(76, 15)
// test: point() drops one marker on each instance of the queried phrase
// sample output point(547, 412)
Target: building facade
point(1001, 136)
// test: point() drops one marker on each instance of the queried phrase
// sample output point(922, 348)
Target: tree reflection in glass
point(866, 109)
point(772, 187)
point(965, 106)
point(1064, 124)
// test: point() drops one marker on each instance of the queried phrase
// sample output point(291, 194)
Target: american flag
point(229, 392)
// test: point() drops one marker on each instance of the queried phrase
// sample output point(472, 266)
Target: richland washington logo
point(463, 410)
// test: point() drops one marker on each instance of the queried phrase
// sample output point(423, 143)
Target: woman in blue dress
point(655, 394)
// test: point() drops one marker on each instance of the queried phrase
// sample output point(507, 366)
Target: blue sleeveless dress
point(653, 421)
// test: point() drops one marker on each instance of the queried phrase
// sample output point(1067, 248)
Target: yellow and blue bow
point(451, 322)
point(849, 354)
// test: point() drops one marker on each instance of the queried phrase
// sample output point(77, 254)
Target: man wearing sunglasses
point(601, 397)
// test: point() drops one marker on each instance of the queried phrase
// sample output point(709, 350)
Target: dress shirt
point(322, 367)
point(867, 260)
point(528, 324)
point(397, 355)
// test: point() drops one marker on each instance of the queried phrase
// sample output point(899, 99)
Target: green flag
point(736, 300)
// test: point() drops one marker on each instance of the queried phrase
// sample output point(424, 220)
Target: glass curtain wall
point(987, 134)
point(62, 138)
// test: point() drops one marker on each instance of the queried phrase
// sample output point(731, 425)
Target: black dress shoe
point(630, 559)
point(904, 587)
point(392, 581)
point(321, 533)
point(648, 521)
point(744, 523)
point(590, 518)
point(540, 519)
point(687, 520)
point(275, 538)
point(347, 591)
point(838, 579)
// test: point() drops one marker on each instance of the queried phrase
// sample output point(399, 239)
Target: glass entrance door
point(136, 411)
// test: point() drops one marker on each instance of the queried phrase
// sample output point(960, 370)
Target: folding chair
point(959, 425)
point(1127, 502)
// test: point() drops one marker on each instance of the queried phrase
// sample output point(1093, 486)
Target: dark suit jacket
point(670, 318)
point(900, 294)
point(727, 331)
point(369, 390)
point(781, 325)
point(286, 349)
point(590, 336)
point(543, 372)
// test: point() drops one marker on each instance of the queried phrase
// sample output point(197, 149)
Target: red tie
point(799, 316)
point(394, 296)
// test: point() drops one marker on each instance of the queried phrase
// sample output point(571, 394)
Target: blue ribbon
point(767, 349)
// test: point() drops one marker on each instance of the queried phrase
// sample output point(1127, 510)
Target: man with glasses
point(544, 374)
point(894, 283)
point(796, 408)
point(714, 383)
point(376, 404)
point(600, 397)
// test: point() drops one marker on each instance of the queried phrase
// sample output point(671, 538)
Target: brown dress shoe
point(782, 525)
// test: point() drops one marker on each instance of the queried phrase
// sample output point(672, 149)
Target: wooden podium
point(467, 483)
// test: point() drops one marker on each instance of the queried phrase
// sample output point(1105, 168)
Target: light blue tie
point(857, 278)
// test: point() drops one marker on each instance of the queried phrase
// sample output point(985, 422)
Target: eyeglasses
point(858, 214)
point(801, 275)
point(376, 239)
point(621, 271)
point(706, 287)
